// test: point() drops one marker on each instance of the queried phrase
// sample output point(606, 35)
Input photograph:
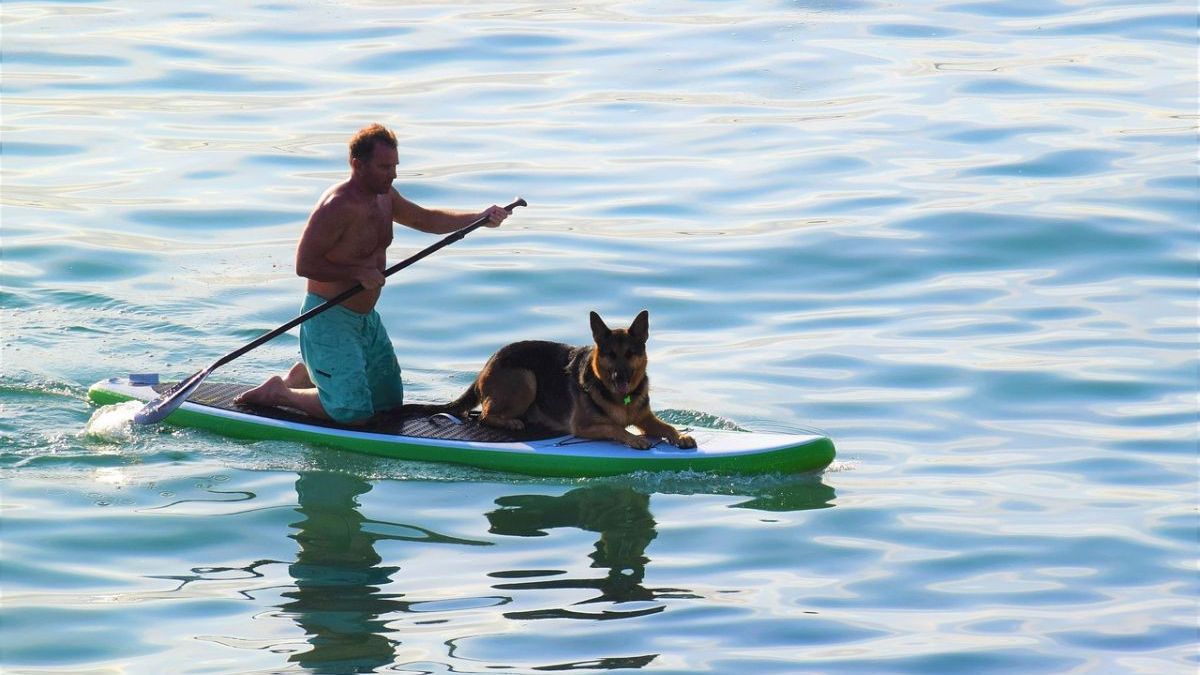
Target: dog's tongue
point(621, 387)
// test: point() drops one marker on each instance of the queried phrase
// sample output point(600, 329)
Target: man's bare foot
point(297, 378)
point(273, 392)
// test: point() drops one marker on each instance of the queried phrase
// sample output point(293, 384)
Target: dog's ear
point(640, 328)
point(600, 332)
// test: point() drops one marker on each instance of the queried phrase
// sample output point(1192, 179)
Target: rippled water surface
point(960, 237)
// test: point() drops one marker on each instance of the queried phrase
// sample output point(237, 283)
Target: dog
point(595, 391)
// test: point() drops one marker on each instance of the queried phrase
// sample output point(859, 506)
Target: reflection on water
point(620, 515)
point(338, 590)
point(796, 496)
point(338, 574)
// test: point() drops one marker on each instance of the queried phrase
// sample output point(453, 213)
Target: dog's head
point(619, 359)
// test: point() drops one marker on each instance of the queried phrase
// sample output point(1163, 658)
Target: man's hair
point(362, 146)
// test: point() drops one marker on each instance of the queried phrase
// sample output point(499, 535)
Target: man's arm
point(436, 221)
point(321, 234)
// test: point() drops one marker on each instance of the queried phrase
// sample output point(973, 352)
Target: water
point(959, 237)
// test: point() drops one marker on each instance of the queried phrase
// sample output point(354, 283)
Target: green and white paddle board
point(445, 439)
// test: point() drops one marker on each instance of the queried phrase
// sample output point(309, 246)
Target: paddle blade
point(158, 409)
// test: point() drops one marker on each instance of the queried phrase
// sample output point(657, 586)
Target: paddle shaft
point(356, 288)
point(162, 406)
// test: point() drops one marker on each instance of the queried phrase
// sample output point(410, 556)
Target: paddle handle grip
point(357, 288)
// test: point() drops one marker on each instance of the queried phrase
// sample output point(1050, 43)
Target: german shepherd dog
point(592, 392)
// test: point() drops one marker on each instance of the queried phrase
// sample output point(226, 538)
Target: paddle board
point(445, 439)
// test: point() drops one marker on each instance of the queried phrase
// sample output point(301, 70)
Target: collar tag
point(628, 399)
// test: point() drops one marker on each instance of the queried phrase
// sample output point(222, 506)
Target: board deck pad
point(221, 395)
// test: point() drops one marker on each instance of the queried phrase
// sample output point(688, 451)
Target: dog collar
point(587, 388)
point(627, 400)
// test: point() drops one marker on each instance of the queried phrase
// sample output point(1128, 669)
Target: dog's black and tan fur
point(592, 392)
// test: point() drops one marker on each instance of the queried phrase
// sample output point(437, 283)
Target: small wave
point(113, 422)
point(695, 418)
point(840, 466)
point(28, 384)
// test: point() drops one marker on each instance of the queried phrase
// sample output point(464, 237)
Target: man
point(348, 369)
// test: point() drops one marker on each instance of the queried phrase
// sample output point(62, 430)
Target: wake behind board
point(440, 439)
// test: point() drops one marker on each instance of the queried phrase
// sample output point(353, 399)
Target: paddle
point(164, 405)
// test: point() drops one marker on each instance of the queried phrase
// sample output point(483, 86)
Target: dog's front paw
point(639, 442)
point(685, 442)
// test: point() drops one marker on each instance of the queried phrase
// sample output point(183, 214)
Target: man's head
point(373, 157)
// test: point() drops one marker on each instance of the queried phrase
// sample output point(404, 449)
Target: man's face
point(378, 171)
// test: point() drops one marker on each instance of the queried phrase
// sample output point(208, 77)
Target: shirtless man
point(348, 369)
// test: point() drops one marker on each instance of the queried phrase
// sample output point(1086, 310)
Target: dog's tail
point(458, 407)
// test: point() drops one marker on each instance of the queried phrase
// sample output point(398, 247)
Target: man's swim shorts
point(351, 360)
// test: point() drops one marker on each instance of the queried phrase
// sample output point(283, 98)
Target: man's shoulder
point(340, 198)
point(340, 192)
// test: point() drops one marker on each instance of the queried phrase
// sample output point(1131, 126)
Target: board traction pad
point(221, 395)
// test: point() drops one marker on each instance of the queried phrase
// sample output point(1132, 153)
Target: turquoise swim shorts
point(350, 358)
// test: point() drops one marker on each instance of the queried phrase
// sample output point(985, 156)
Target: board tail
point(458, 407)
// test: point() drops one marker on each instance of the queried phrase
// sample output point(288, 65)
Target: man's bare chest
point(366, 233)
